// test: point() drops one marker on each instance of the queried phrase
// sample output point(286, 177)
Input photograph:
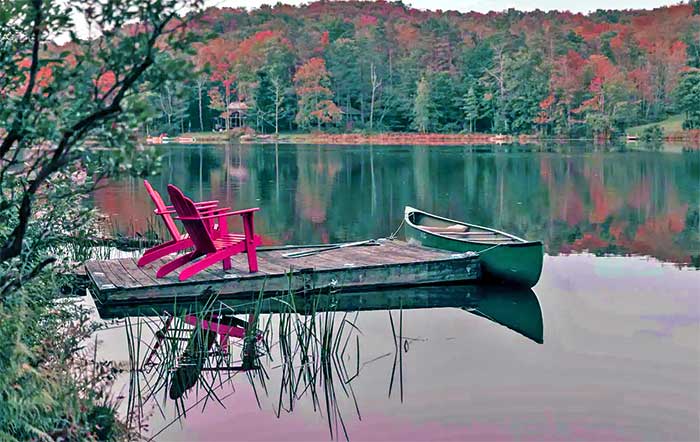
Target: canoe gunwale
point(518, 263)
point(521, 242)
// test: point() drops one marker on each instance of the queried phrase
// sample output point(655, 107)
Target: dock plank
point(391, 264)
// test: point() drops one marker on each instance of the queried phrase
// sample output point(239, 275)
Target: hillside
point(381, 66)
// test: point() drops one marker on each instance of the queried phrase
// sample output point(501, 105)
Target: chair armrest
point(235, 212)
point(201, 208)
point(198, 204)
point(213, 210)
point(244, 211)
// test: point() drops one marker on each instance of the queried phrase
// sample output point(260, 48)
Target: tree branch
point(15, 132)
point(13, 245)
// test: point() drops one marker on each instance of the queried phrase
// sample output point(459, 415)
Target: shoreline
point(401, 138)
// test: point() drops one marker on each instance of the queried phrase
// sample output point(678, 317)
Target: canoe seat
point(455, 228)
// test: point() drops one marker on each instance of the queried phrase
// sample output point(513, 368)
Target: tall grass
point(315, 351)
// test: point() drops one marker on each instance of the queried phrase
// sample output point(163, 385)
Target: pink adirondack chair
point(178, 242)
point(213, 248)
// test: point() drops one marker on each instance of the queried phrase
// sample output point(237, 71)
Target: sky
point(488, 5)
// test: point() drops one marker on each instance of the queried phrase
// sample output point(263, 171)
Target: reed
point(311, 351)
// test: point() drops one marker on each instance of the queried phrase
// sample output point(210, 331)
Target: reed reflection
point(304, 349)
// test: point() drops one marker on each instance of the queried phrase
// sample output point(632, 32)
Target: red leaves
point(324, 39)
point(327, 111)
point(568, 74)
point(547, 102)
point(591, 31)
point(105, 82)
point(602, 68)
point(544, 117)
point(220, 54)
point(311, 83)
point(367, 20)
point(311, 72)
point(44, 76)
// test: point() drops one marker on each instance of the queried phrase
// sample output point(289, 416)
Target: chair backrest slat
point(196, 227)
point(160, 206)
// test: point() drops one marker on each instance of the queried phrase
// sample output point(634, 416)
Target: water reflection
point(293, 350)
point(612, 201)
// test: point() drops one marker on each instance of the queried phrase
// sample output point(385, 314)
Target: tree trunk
point(277, 107)
point(375, 85)
point(200, 84)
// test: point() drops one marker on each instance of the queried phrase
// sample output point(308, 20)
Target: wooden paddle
point(369, 242)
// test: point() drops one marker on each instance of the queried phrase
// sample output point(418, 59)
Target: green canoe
point(505, 258)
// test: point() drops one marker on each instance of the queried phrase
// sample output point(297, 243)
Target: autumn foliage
point(359, 64)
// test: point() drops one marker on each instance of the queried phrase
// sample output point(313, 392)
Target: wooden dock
point(392, 264)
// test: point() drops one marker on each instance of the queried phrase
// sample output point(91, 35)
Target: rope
point(393, 235)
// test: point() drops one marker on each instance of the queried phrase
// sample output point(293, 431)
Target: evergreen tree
point(470, 108)
point(687, 97)
point(264, 103)
point(446, 115)
point(423, 106)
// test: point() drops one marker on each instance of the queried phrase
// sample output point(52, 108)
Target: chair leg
point(223, 230)
point(164, 250)
point(210, 259)
point(249, 230)
point(175, 263)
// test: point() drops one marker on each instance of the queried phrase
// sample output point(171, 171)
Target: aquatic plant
point(57, 101)
point(307, 343)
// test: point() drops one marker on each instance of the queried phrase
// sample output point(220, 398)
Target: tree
point(54, 100)
point(470, 108)
point(220, 55)
point(445, 99)
point(200, 82)
point(265, 100)
point(342, 60)
point(527, 84)
point(376, 84)
point(423, 106)
point(279, 63)
point(687, 98)
point(311, 82)
point(170, 100)
point(495, 79)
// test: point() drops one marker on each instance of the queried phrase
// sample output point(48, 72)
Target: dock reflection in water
point(293, 350)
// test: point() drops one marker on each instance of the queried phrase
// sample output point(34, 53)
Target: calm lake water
point(605, 347)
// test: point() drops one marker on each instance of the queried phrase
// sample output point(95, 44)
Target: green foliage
point(58, 103)
point(653, 133)
point(375, 57)
point(423, 106)
point(470, 108)
point(527, 85)
point(598, 123)
point(444, 97)
point(687, 98)
point(264, 99)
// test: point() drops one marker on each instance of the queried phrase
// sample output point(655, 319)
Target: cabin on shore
point(237, 114)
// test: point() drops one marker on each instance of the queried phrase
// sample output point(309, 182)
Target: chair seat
point(210, 245)
point(229, 239)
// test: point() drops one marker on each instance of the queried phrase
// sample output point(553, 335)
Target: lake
point(605, 347)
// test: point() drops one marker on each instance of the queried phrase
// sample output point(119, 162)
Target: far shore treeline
point(385, 67)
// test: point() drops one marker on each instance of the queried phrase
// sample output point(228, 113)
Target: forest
point(386, 67)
